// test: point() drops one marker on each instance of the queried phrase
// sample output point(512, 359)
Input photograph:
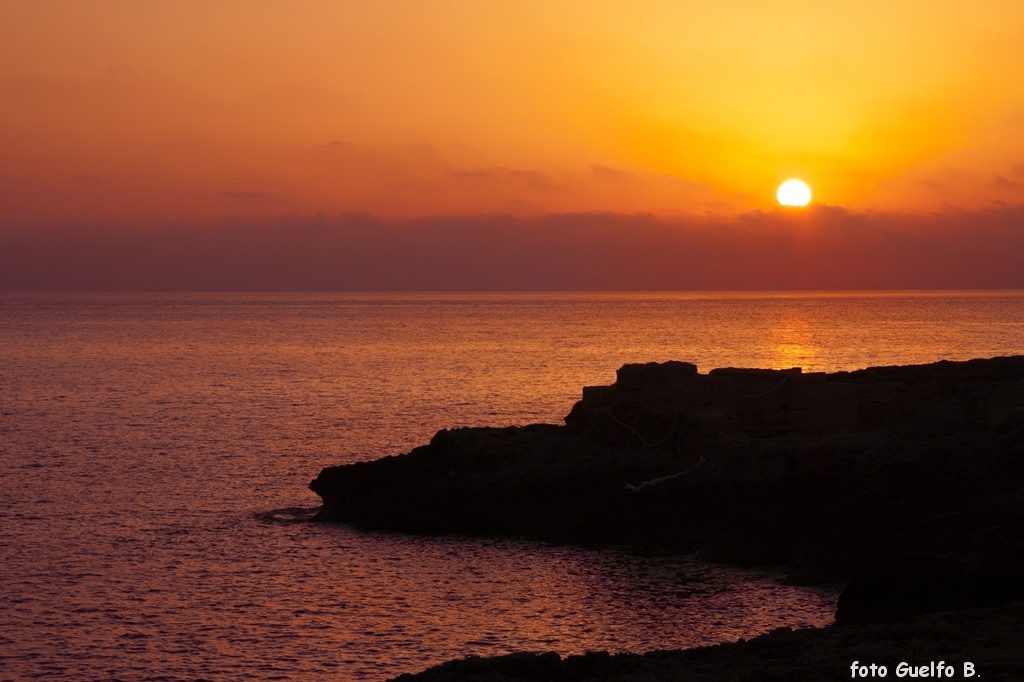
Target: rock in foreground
point(908, 479)
point(989, 640)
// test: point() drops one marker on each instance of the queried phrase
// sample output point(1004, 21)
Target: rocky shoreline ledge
point(906, 481)
point(988, 641)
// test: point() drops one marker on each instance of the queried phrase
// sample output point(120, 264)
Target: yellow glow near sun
point(794, 193)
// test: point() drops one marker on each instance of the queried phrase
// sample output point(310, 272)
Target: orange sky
point(212, 109)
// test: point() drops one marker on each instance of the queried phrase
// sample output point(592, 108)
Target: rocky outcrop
point(749, 400)
point(930, 583)
point(985, 642)
point(850, 474)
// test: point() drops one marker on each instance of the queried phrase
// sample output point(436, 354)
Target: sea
point(155, 453)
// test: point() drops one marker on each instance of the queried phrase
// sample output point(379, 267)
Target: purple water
point(141, 437)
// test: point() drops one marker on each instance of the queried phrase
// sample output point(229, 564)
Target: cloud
point(982, 170)
point(249, 194)
point(822, 248)
point(999, 182)
point(530, 178)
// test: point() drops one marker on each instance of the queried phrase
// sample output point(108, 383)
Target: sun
point(794, 193)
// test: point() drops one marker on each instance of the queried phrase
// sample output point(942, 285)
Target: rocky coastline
point(908, 482)
point(985, 642)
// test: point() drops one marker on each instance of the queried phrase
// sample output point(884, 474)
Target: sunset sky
point(126, 112)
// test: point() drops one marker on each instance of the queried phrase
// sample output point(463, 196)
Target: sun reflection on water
point(793, 343)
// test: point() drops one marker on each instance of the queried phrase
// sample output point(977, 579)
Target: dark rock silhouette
point(910, 480)
point(931, 583)
point(989, 639)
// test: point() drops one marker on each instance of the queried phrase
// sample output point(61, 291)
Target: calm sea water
point(142, 436)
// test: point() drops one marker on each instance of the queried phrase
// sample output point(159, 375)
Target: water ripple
point(145, 437)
